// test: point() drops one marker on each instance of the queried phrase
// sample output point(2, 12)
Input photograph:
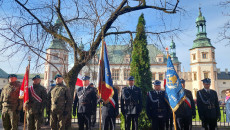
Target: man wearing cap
point(208, 106)
point(157, 108)
point(85, 100)
point(131, 104)
point(36, 104)
point(186, 110)
point(60, 100)
point(10, 103)
point(93, 117)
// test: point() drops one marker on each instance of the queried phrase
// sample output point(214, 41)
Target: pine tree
point(140, 68)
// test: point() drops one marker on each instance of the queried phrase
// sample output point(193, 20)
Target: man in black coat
point(85, 100)
point(94, 115)
point(208, 106)
point(157, 108)
point(110, 112)
point(131, 104)
point(186, 111)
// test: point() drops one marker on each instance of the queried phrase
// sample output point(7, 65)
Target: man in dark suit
point(208, 106)
point(110, 112)
point(186, 110)
point(85, 100)
point(131, 104)
point(157, 108)
point(94, 115)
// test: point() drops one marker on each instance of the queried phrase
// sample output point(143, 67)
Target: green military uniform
point(60, 100)
point(10, 105)
point(36, 106)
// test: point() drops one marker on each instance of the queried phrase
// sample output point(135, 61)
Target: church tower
point(57, 55)
point(202, 57)
point(174, 58)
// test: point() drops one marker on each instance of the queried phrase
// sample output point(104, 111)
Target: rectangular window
point(115, 74)
point(126, 74)
point(194, 56)
point(153, 76)
point(53, 74)
point(206, 75)
point(94, 75)
point(213, 55)
point(55, 56)
point(161, 76)
point(204, 55)
point(195, 76)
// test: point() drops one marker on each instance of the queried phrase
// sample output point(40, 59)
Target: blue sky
point(185, 21)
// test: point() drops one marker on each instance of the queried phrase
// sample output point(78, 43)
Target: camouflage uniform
point(10, 105)
point(35, 108)
point(60, 100)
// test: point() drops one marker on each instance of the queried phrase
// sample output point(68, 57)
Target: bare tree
point(28, 26)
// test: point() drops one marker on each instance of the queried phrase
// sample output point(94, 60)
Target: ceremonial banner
point(24, 88)
point(79, 81)
point(174, 90)
point(105, 87)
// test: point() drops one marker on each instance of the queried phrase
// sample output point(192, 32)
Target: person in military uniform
point(36, 104)
point(186, 111)
point(110, 112)
point(48, 105)
point(85, 100)
point(208, 106)
point(10, 103)
point(93, 117)
point(157, 108)
point(131, 104)
point(60, 99)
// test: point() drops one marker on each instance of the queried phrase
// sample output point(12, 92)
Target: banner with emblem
point(24, 88)
point(105, 87)
point(174, 91)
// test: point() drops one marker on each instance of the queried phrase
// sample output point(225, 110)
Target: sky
point(212, 12)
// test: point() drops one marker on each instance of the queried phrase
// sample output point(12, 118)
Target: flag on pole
point(105, 84)
point(24, 88)
point(174, 91)
point(79, 81)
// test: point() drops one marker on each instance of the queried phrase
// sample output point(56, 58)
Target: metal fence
point(196, 121)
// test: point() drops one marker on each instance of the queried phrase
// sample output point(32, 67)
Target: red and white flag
point(79, 80)
point(24, 88)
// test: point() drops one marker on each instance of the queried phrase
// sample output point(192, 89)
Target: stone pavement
point(75, 127)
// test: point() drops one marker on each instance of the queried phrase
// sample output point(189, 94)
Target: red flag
point(79, 81)
point(24, 88)
point(105, 87)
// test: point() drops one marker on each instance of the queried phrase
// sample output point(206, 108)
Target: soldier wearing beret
point(10, 103)
point(208, 106)
point(131, 104)
point(60, 100)
point(36, 104)
point(157, 108)
point(85, 102)
point(186, 111)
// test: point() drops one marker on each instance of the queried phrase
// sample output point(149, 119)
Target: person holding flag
point(174, 92)
point(10, 104)
point(186, 110)
point(131, 104)
point(36, 104)
point(85, 102)
point(157, 108)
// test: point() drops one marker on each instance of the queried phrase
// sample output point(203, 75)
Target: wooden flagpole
point(25, 108)
point(101, 76)
point(174, 116)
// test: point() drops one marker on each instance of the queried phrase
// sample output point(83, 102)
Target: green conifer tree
point(140, 68)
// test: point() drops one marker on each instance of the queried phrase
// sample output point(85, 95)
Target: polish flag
point(79, 80)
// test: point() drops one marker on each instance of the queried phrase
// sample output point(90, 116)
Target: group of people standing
point(58, 103)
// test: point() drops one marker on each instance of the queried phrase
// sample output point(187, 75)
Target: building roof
point(21, 76)
point(223, 76)
point(3, 74)
point(58, 44)
point(117, 54)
